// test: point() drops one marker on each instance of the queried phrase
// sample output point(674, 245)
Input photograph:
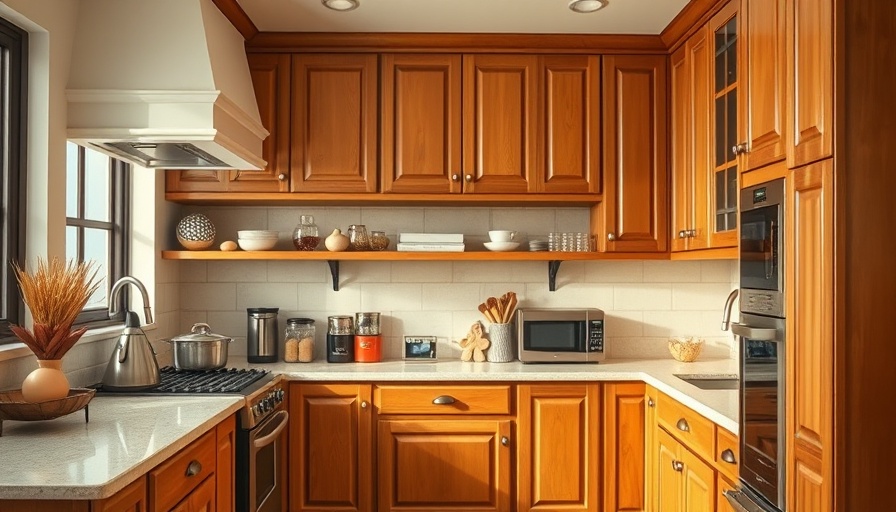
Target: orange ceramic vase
point(48, 382)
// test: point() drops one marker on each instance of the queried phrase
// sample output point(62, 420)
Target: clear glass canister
point(299, 340)
point(306, 236)
point(358, 239)
point(378, 241)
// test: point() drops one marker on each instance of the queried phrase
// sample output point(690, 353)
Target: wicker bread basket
point(685, 350)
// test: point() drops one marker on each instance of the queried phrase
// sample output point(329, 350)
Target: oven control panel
point(266, 403)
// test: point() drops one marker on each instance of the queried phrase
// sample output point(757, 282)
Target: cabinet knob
point(739, 149)
point(194, 468)
point(443, 400)
point(692, 233)
point(281, 177)
point(611, 236)
point(468, 178)
point(650, 402)
point(677, 465)
point(682, 234)
point(455, 177)
point(683, 425)
point(728, 456)
point(364, 404)
point(505, 441)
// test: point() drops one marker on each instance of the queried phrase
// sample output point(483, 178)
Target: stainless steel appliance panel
point(762, 249)
point(560, 335)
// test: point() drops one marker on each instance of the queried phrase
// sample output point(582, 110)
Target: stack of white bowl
point(257, 239)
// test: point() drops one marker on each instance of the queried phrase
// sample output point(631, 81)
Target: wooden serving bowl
point(14, 407)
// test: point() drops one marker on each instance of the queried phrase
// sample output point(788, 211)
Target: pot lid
point(201, 332)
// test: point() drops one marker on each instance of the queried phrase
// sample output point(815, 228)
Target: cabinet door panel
point(699, 58)
point(224, 472)
point(500, 106)
point(202, 499)
point(446, 465)
point(810, 81)
point(669, 492)
point(764, 82)
point(624, 447)
point(682, 174)
point(699, 481)
point(130, 499)
point(569, 154)
point(421, 123)
point(330, 448)
point(558, 449)
point(334, 136)
point(810, 337)
point(634, 205)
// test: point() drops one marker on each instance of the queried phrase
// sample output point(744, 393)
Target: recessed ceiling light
point(342, 5)
point(584, 6)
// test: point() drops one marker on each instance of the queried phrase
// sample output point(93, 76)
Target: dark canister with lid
point(368, 339)
point(340, 339)
point(262, 335)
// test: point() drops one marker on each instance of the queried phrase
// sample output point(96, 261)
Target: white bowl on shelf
point(258, 234)
point(501, 246)
point(257, 244)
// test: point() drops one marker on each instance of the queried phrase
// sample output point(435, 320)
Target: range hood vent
point(164, 85)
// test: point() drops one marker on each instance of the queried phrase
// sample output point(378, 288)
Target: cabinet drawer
point(442, 399)
point(174, 479)
point(727, 441)
point(693, 430)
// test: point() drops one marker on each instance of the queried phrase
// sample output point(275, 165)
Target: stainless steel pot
point(200, 350)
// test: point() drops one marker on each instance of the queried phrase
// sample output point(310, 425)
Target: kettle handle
point(123, 353)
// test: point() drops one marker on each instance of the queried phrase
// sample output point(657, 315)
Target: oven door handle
point(283, 418)
point(742, 503)
point(754, 333)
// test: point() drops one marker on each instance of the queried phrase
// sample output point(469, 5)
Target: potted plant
point(55, 294)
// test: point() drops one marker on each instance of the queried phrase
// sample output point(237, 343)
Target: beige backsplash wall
point(645, 301)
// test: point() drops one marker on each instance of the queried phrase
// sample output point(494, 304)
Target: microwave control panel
point(596, 336)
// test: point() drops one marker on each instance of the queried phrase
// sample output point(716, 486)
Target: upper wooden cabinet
point(334, 123)
point(691, 169)
point(270, 78)
point(500, 122)
point(810, 81)
point(569, 124)
point(633, 213)
point(763, 109)
point(421, 123)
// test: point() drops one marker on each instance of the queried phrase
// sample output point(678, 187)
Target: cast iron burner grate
point(224, 380)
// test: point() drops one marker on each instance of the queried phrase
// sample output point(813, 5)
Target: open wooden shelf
point(554, 259)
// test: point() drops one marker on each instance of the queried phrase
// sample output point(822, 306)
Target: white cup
point(501, 235)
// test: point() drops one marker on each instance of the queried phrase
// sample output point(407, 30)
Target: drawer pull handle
point(194, 468)
point(683, 425)
point(677, 465)
point(443, 400)
point(728, 456)
point(505, 441)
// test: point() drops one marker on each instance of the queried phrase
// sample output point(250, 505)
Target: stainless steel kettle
point(133, 365)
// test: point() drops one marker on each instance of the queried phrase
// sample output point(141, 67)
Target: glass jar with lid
point(299, 340)
point(358, 240)
point(306, 236)
point(378, 241)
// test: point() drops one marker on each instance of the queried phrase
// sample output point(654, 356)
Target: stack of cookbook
point(431, 242)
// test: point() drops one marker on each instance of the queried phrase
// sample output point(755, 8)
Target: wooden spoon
point(492, 304)
point(484, 310)
point(511, 307)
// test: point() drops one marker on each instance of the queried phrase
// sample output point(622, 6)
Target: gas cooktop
point(221, 381)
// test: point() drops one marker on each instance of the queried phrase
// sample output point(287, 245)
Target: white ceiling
point(502, 16)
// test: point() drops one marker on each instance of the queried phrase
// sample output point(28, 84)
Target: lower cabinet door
point(667, 472)
point(202, 499)
point(699, 480)
point(444, 465)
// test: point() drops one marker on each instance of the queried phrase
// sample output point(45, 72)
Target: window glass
point(96, 186)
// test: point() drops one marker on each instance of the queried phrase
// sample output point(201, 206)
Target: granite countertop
point(720, 406)
point(68, 458)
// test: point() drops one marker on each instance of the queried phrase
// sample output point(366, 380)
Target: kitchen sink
point(711, 380)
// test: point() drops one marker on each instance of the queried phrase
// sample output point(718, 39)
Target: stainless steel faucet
point(116, 288)
point(726, 313)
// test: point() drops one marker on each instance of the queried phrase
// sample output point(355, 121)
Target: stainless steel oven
point(761, 336)
point(260, 479)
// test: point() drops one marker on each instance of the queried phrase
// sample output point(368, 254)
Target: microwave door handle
point(754, 333)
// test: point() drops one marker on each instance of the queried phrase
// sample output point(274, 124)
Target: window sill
point(19, 350)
